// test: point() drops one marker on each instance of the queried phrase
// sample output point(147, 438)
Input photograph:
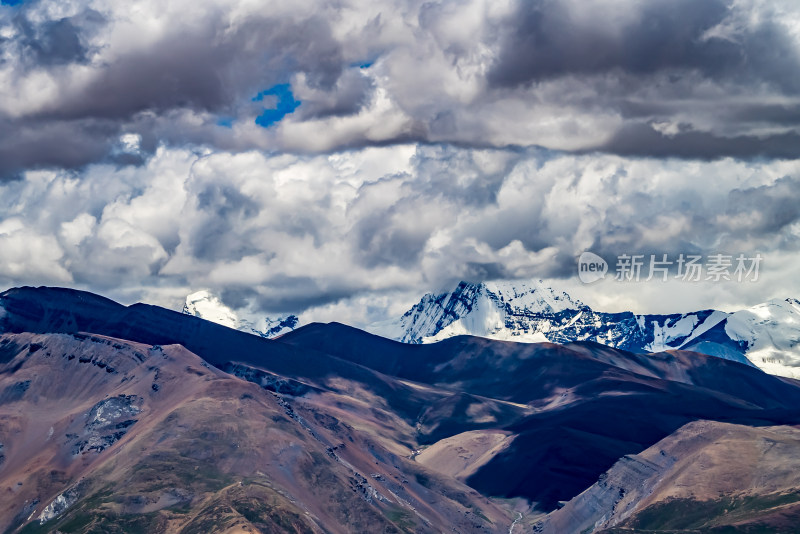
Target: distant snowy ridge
point(771, 333)
point(766, 336)
point(207, 306)
point(477, 309)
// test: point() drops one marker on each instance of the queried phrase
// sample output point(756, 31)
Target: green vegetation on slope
point(727, 515)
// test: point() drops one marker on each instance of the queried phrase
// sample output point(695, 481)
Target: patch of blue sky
point(225, 122)
point(285, 105)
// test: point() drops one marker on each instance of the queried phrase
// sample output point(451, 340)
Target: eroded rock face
point(266, 380)
point(107, 422)
point(708, 475)
point(612, 498)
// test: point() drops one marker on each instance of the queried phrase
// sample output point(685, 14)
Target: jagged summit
point(482, 309)
point(766, 335)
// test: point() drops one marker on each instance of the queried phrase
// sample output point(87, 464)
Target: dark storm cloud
point(534, 131)
point(64, 144)
point(742, 114)
point(296, 292)
point(576, 72)
point(545, 41)
point(238, 297)
point(208, 69)
point(783, 114)
point(637, 139)
point(712, 67)
point(211, 68)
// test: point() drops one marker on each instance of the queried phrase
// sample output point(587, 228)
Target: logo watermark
point(663, 267)
point(591, 267)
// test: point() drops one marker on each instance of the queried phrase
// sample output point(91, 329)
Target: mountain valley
point(139, 419)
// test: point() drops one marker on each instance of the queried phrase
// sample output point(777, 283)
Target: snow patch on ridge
point(205, 305)
point(771, 333)
point(669, 331)
point(209, 307)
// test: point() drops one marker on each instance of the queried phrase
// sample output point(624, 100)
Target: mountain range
point(766, 335)
point(136, 418)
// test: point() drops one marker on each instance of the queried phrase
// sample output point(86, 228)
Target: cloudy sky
point(340, 158)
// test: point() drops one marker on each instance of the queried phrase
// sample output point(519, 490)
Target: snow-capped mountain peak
point(208, 306)
point(531, 297)
point(483, 309)
point(770, 334)
point(766, 335)
point(278, 327)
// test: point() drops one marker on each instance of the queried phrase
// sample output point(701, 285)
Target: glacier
point(766, 336)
